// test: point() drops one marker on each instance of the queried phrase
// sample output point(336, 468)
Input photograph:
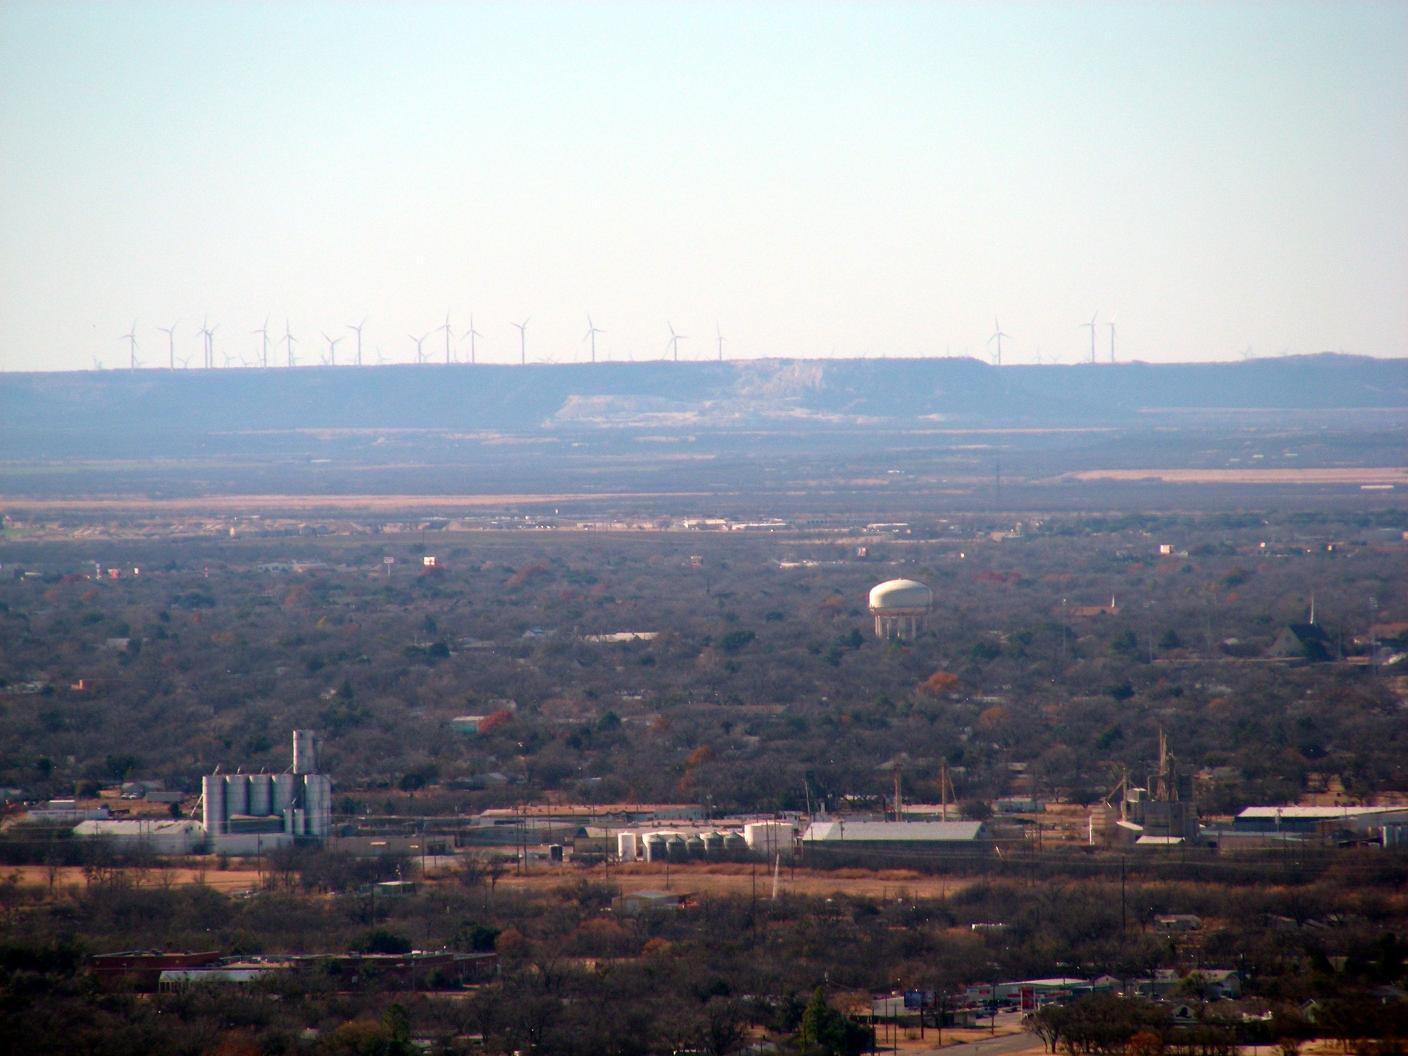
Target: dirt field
point(312, 503)
point(1372, 475)
point(736, 879)
point(71, 876)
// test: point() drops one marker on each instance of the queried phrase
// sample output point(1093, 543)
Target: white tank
point(236, 795)
point(300, 826)
point(902, 595)
point(212, 791)
point(626, 846)
point(260, 794)
point(769, 837)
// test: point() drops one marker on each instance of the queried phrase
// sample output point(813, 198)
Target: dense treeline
point(578, 976)
point(764, 685)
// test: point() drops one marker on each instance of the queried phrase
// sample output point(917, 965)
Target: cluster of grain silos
point(680, 845)
point(268, 809)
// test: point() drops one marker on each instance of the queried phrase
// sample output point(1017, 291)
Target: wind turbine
point(674, 343)
point(1091, 325)
point(523, 341)
point(472, 333)
point(1112, 339)
point(204, 342)
point(358, 328)
point(332, 348)
point(170, 332)
point(210, 345)
point(263, 331)
point(997, 335)
point(289, 342)
point(592, 331)
point(420, 358)
point(131, 338)
point(445, 326)
point(720, 335)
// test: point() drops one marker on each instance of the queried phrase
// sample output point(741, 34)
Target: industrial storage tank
point(212, 793)
point(305, 753)
point(900, 607)
point(734, 843)
point(283, 793)
point(676, 849)
point(317, 803)
point(770, 837)
point(713, 843)
point(655, 847)
point(626, 846)
point(694, 846)
point(261, 794)
point(236, 795)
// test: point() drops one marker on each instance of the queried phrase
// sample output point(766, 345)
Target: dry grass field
point(726, 878)
point(243, 504)
point(1365, 475)
point(67, 877)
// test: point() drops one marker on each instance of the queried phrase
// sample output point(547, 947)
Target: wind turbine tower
point(332, 348)
point(1091, 325)
point(592, 331)
point(997, 335)
point(263, 332)
point(131, 338)
point(357, 328)
point(289, 342)
point(420, 356)
point(522, 342)
point(1112, 340)
point(674, 343)
point(472, 333)
point(170, 332)
point(449, 358)
point(720, 334)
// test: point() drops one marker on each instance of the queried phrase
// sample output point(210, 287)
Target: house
point(1178, 922)
point(1301, 641)
point(1205, 983)
point(634, 903)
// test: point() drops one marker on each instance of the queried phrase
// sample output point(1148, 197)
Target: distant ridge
point(797, 394)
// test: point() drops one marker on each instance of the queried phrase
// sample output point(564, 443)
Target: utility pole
point(1123, 924)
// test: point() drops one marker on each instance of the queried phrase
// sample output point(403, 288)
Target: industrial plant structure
point(244, 813)
point(900, 607)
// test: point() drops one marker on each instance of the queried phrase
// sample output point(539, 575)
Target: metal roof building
point(917, 836)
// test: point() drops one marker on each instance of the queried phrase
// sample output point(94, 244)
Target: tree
point(826, 1031)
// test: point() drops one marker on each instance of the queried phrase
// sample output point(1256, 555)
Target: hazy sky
point(817, 179)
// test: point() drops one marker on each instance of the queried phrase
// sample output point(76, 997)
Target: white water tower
point(900, 607)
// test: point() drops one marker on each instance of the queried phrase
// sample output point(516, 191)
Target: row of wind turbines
point(998, 335)
point(206, 333)
point(453, 344)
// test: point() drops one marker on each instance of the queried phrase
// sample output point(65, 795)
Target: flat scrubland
point(736, 879)
point(67, 878)
point(1371, 475)
point(309, 503)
